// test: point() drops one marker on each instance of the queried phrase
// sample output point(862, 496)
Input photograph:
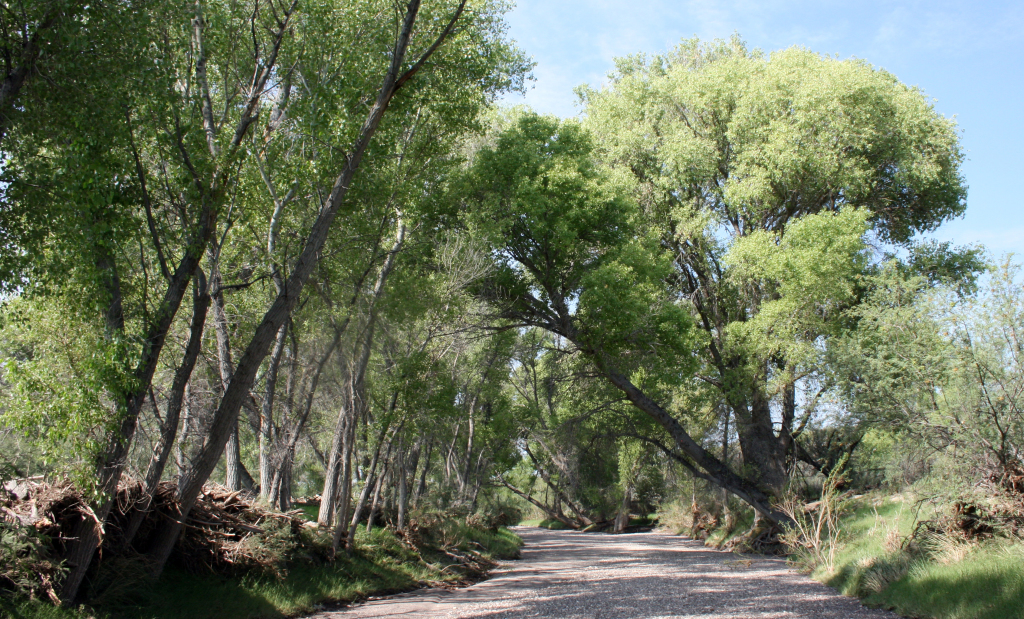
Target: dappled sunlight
point(569, 574)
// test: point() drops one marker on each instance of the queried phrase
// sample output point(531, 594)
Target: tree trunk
point(169, 429)
point(470, 434)
point(713, 469)
point(267, 412)
point(376, 496)
point(363, 497)
point(761, 449)
point(407, 471)
point(560, 496)
point(422, 486)
point(622, 518)
point(554, 514)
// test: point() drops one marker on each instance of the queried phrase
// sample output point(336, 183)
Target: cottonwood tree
point(726, 146)
point(571, 258)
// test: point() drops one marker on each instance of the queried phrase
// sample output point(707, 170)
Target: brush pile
point(33, 513)
point(226, 531)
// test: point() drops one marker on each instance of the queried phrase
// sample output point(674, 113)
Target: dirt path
point(565, 574)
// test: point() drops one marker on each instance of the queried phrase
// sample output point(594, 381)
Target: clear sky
point(966, 55)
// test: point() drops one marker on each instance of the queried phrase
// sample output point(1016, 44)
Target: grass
point(382, 564)
point(950, 580)
point(546, 523)
point(310, 512)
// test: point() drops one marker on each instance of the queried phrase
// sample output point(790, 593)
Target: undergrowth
point(383, 562)
point(884, 558)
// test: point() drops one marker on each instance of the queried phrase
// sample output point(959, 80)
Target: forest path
point(566, 574)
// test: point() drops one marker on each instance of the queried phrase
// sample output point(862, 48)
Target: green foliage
point(756, 140)
point(932, 365)
point(949, 579)
point(808, 277)
point(60, 371)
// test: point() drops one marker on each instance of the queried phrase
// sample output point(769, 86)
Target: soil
point(568, 574)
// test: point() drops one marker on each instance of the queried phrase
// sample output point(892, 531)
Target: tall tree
point(724, 144)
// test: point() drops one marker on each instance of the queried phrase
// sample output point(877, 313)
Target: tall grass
point(930, 576)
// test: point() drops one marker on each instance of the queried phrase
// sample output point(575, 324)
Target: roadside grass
point(946, 580)
point(382, 564)
point(744, 519)
point(546, 523)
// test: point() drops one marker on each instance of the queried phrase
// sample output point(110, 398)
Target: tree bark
point(267, 412)
point(363, 497)
point(715, 469)
point(169, 429)
point(421, 487)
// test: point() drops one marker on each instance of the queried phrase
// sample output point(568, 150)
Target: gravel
point(566, 574)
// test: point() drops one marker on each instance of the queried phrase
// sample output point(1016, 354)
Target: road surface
point(572, 575)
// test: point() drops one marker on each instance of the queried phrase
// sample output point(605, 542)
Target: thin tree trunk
point(155, 471)
point(344, 501)
point(622, 518)
point(267, 412)
point(408, 473)
point(293, 433)
point(555, 515)
point(470, 434)
point(422, 486)
point(363, 497)
point(376, 498)
point(225, 365)
point(560, 496)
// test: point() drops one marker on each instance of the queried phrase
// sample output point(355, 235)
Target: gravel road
point(566, 574)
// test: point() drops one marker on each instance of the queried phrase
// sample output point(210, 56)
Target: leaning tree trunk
point(169, 428)
point(363, 497)
point(266, 428)
point(701, 462)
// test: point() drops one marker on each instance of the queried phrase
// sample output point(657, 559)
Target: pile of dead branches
point(226, 531)
point(33, 515)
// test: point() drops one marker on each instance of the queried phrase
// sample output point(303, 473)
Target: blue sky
point(967, 56)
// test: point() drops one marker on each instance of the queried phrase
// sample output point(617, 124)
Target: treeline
point(296, 248)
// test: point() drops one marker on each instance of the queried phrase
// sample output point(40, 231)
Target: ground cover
point(928, 575)
point(384, 562)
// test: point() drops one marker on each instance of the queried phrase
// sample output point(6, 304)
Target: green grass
point(720, 536)
point(986, 582)
point(310, 512)
point(382, 564)
point(547, 523)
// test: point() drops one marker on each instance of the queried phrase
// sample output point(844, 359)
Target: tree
point(726, 146)
point(573, 258)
